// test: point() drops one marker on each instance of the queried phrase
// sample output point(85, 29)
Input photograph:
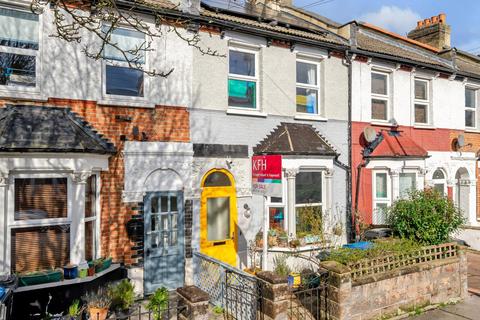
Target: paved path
point(468, 309)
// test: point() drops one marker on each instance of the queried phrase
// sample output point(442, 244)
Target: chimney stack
point(434, 32)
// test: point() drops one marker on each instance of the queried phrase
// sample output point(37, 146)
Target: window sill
point(381, 123)
point(136, 103)
point(244, 112)
point(424, 126)
point(308, 117)
point(472, 130)
point(31, 95)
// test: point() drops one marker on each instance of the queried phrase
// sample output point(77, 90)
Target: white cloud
point(393, 19)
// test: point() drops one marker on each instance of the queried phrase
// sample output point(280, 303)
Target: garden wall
point(407, 288)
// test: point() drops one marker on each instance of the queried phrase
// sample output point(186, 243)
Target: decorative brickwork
point(119, 124)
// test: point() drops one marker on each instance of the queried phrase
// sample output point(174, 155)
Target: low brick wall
point(407, 288)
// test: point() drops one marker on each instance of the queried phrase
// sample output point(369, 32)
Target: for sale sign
point(267, 175)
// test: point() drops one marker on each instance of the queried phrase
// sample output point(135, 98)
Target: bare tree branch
point(100, 18)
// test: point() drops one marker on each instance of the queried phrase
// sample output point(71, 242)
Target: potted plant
point(122, 296)
point(295, 243)
point(38, 277)
point(91, 268)
point(282, 238)
point(70, 271)
point(158, 302)
point(74, 311)
point(259, 239)
point(97, 303)
point(272, 238)
point(102, 264)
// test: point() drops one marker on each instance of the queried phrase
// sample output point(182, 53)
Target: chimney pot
point(435, 20)
point(442, 17)
point(426, 22)
point(419, 24)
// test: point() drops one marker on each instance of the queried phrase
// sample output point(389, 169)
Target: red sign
point(267, 175)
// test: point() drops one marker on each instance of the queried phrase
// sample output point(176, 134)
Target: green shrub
point(380, 248)
point(122, 295)
point(280, 265)
point(425, 216)
point(158, 303)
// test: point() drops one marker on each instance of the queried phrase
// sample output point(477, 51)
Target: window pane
point(90, 197)
point(242, 93)
point(217, 179)
point(173, 203)
point(89, 240)
point(242, 63)
point(305, 219)
point(40, 248)
point(379, 109)
point(380, 213)
point(469, 118)
point(307, 100)
point(18, 29)
point(470, 101)
point(440, 187)
point(40, 198)
point(308, 187)
point(421, 113)
point(17, 70)
point(381, 188)
point(124, 81)
point(163, 204)
point(127, 40)
point(218, 218)
point(420, 90)
point(379, 83)
point(276, 200)
point(307, 73)
point(277, 218)
point(407, 183)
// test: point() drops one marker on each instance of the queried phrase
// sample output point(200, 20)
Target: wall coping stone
point(193, 294)
point(271, 277)
point(335, 266)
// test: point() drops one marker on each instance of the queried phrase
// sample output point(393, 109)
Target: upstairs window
point(307, 87)
point(120, 79)
point(380, 96)
point(470, 108)
point(422, 101)
point(19, 44)
point(242, 79)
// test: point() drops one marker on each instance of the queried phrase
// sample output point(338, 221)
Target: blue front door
point(164, 241)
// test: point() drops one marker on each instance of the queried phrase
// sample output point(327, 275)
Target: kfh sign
point(267, 175)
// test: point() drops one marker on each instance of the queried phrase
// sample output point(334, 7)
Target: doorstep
point(68, 282)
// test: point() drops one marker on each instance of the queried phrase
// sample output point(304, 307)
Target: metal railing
point(139, 313)
point(310, 300)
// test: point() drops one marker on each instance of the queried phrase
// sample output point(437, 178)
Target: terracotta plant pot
point(91, 271)
point(98, 313)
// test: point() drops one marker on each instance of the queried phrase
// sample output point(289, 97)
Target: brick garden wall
point(406, 289)
point(116, 123)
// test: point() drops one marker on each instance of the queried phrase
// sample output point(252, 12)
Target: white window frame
point(382, 97)
point(474, 109)
point(95, 218)
point(388, 199)
point(12, 224)
point(322, 204)
point(283, 205)
point(422, 102)
point(127, 99)
point(19, 91)
point(316, 87)
point(407, 172)
point(440, 181)
point(255, 79)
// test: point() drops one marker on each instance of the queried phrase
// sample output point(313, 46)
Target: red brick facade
point(116, 123)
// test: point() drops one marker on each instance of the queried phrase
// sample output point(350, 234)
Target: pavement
point(469, 308)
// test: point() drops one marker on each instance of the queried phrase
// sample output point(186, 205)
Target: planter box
point(104, 265)
point(40, 277)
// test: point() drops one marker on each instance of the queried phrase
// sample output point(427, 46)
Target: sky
point(401, 16)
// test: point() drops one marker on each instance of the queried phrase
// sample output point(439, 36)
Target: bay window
point(242, 78)
point(422, 101)
point(120, 78)
point(380, 96)
point(307, 97)
point(19, 45)
point(381, 196)
point(470, 108)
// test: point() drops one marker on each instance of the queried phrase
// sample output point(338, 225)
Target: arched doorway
point(462, 190)
point(218, 216)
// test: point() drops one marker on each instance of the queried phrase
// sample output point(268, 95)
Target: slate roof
point(295, 139)
point(394, 144)
point(48, 129)
point(370, 40)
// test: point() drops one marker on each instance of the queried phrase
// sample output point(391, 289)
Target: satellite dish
point(394, 122)
point(460, 141)
point(370, 134)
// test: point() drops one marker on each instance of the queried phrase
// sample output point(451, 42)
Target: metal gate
point(237, 292)
point(310, 300)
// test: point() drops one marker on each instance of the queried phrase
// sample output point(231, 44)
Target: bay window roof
point(295, 139)
point(48, 129)
point(394, 144)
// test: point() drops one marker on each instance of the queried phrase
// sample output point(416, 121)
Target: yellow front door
point(218, 217)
